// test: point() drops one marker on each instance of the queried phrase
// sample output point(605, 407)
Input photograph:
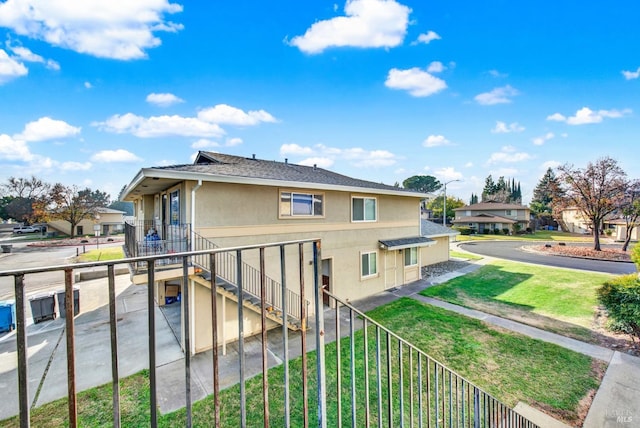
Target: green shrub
point(464, 230)
point(635, 255)
point(505, 230)
point(621, 298)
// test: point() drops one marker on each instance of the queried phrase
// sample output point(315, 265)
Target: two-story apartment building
point(487, 217)
point(370, 232)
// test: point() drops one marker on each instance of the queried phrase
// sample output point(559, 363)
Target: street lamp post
point(444, 203)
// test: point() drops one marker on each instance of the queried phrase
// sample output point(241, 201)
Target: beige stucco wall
point(87, 224)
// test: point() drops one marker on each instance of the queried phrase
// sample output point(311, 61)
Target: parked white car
point(26, 229)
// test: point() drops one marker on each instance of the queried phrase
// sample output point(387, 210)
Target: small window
point(411, 256)
point(79, 230)
point(363, 209)
point(294, 204)
point(508, 212)
point(369, 264)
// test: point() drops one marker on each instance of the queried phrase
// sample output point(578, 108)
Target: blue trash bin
point(7, 315)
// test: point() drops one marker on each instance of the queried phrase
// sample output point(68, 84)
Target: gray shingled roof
point(237, 166)
point(491, 206)
point(431, 229)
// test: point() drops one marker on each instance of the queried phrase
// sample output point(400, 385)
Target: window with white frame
point(411, 256)
point(363, 209)
point(508, 212)
point(294, 204)
point(369, 264)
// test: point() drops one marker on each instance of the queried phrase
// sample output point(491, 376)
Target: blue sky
point(92, 91)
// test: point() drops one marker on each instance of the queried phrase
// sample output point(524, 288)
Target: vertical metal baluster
point(450, 401)
point(366, 372)
point(153, 391)
point(338, 367)
point(443, 382)
point(428, 392)
point(436, 369)
point(419, 389)
point(320, 361)
point(187, 339)
point(263, 319)
point(379, 376)
point(389, 384)
point(239, 279)
point(303, 338)
point(464, 419)
point(71, 349)
point(476, 408)
point(285, 337)
point(21, 345)
point(214, 339)
point(411, 387)
point(113, 329)
point(401, 383)
point(352, 346)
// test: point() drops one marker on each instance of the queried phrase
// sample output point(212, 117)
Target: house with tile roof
point(370, 232)
point(487, 217)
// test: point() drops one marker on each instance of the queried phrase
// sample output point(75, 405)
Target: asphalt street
point(512, 250)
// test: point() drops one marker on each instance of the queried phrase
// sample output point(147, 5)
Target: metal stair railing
point(226, 270)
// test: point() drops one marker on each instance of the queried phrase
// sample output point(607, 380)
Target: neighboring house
point(370, 232)
point(487, 217)
point(619, 227)
point(439, 252)
point(108, 221)
point(574, 221)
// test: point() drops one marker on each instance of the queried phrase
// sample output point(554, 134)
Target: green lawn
point(102, 254)
point(510, 366)
point(463, 255)
point(558, 300)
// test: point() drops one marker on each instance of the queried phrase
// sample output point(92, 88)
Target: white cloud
point(497, 96)
point(549, 164)
point(228, 115)
point(356, 156)
point(427, 37)
point(556, 117)
point(509, 154)
point(435, 141)
point(163, 100)
point(586, 116)
point(159, 126)
point(468, 165)
point(232, 142)
point(11, 149)
point(203, 143)
point(436, 67)
point(367, 24)
point(88, 85)
point(447, 174)
point(25, 54)
point(503, 128)
point(538, 141)
point(630, 75)
point(320, 162)
point(295, 149)
point(76, 166)
point(108, 29)
point(496, 73)
point(417, 82)
point(119, 155)
point(10, 68)
point(46, 128)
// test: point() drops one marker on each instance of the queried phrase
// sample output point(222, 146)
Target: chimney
point(286, 161)
point(254, 156)
point(315, 166)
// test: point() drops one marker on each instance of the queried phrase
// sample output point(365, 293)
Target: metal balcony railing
point(168, 239)
point(227, 270)
point(359, 374)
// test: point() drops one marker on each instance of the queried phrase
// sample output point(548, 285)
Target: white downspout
point(192, 283)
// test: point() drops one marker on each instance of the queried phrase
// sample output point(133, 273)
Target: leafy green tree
point(73, 205)
point(25, 193)
point(4, 201)
point(436, 205)
point(597, 191)
point(121, 205)
point(544, 193)
point(474, 199)
point(422, 183)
